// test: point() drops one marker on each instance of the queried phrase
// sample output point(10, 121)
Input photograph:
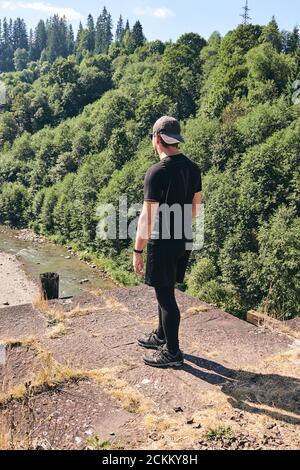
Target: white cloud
point(69, 13)
point(161, 12)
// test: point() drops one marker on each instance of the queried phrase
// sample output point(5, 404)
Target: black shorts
point(167, 263)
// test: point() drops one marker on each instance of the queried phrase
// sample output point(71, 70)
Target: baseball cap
point(169, 129)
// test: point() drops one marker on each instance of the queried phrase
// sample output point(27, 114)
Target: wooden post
point(261, 319)
point(49, 286)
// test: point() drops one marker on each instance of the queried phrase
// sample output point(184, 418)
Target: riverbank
point(37, 254)
point(15, 287)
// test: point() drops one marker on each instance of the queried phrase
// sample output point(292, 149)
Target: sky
point(161, 19)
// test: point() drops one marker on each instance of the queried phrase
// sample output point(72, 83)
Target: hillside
point(80, 140)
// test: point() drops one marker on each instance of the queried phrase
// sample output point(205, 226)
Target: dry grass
point(156, 423)
point(195, 311)
point(19, 343)
point(129, 398)
point(53, 374)
point(114, 304)
point(4, 440)
point(51, 312)
point(287, 330)
point(58, 314)
point(57, 331)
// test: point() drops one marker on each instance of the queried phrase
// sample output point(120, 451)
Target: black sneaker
point(151, 341)
point(164, 359)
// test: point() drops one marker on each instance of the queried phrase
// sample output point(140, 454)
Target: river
point(36, 258)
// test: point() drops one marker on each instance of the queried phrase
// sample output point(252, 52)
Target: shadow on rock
point(268, 394)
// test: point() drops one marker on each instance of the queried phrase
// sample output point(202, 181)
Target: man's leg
point(160, 330)
point(156, 338)
point(170, 316)
point(169, 355)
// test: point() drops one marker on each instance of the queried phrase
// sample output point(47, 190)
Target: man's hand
point(138, 264)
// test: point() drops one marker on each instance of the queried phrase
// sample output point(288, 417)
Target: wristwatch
point(138, 252)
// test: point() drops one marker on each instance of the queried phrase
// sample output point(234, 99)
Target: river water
point(39, 258)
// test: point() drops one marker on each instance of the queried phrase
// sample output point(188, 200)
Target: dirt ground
point(73, 378)
point(15, 287)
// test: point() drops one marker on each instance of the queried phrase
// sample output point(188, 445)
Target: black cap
point(169, 129)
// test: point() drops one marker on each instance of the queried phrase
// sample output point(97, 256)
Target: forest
point(74, 133)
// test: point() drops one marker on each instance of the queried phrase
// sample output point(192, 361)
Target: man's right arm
point(197, 201)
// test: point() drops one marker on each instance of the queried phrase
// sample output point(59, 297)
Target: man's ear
point(159, 140)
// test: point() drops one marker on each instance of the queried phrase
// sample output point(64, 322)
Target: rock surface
point(239, 387)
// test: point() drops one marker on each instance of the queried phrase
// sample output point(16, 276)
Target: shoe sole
point(175, 365)
point(149, 346)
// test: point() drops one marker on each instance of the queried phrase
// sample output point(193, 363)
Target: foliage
point(74, 135)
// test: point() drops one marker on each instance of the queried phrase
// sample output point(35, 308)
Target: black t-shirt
point(173, 183)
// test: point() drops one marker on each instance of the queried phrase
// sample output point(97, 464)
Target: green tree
point(19, 34)
point(14, 200)
point(57, 38)
point(178, 78)
point(90, 40)
point(103, 34)
point(136, 37)
point(268, 72)
point(39, 40)
point(8, 128)
point(271, 34)
point(120, 30)
point(21, 58)
point(193, 41)
point(279, 263)
point(7, 49)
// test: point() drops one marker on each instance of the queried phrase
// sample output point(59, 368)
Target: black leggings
point(169, 317)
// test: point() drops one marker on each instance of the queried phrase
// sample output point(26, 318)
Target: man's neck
point(164, 154)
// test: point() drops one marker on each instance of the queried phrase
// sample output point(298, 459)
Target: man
point(172, 197)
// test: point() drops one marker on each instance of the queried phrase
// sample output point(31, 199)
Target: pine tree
point(1, 47)
point(80, 29)
point(70, 40)
point(103, 36)
point(108, 31)
point(272, 34)
point(99, 34)
point(57, 38)
point(19, 35)
point(90, 39)
point(127, 27)
point(30, 44)
point(39, 41)
point(292, 41)
point(120, 30)
point(136, 38)
point(7, 47)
